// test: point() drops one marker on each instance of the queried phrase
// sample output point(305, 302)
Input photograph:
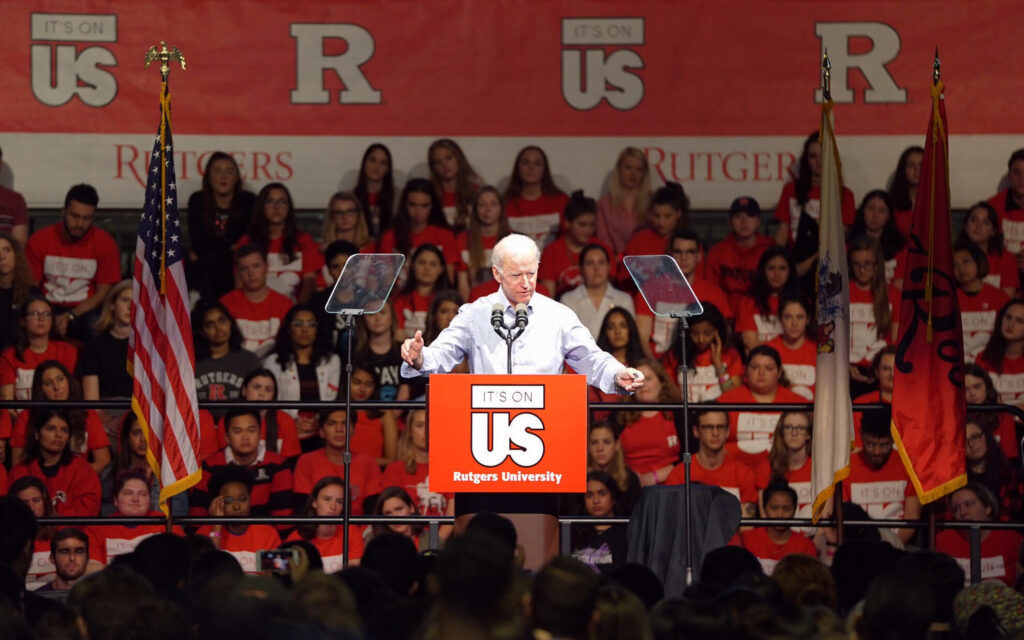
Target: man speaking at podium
point(553, 337)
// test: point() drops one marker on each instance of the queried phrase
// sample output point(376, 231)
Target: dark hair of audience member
point(562, 598)
point(441, 296)
point(164, 560)
point(941, 573)
point(515, 183)
point(392, 556)
point(803, 180)
point(250, 248)
point(76, 417)
point(17, 534)
point(673, 194)
point(227, 475)
point(877, 423)
point(579, 204)
point(996, 242)
point(339, 248)
point(897, 606)
point(259, 226)
point(378, 509)
point(618, 614)
point(805, 581)
point(411, 284)
point(328, 602)
point(308, 531)
point(21, 285)
point(283, 346)
point(21, 341)
point(386, 196)
point(761, 291)
point(855, 564)
point(37, 421)
point(722, 566)
point(199, 341)
point(892, 240)
point(402, 224)
point(475, 573)
point(639, 579)
point(995, 350)
point(713, 316)
point(83, 193)
point(900, 188)
point(32, 482)
point(675, 618)
point(634, 347)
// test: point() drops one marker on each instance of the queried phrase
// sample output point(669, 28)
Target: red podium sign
point(508, 433)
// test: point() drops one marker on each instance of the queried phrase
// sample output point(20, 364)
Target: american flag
point(160, 353)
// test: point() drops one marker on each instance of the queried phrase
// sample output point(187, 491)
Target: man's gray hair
point(514, 244)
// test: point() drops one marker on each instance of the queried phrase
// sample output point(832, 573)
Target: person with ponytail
point(670, 208)
point(419, 220)
point(560, 260)
point(757, 319)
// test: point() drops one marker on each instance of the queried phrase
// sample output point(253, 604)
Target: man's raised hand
point(412, 350)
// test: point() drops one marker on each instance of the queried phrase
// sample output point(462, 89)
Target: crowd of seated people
point(260, 333)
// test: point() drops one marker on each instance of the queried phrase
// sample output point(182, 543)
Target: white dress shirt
point(579, 301)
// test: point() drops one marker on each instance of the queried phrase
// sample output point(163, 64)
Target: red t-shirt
point(752, 431)
point(417, 485)
point(287, 435)
point(1011, 220)
point(271, 492)
point(799, 480)
point(733, 267)
point(871, 397)
point(788, 209)
point(462, 244)
point(246, 546)
point(864, 339)
point(21, 372)
point(437, 236)
point(1008, 380)
point(95, 435)
point(881, 493)
point(68, 272)
point(13, 210)
point(111, 540)
point(368, 436)
point(903, 220)
point(541, 219)
point(1002, 270)
point(74, 490)
point(769, 552)
point(1000, 551)
point(332, 550)
point(733, 476)
point(978, 317)
point(258, 322)
point(411, 310)
point(664, 329)
point(646, 242)
point(750, 318)
point(313, 466)
point(701, 379)
point(799, 365)
point(284, 276)
point(650, 443)
point(560, 263)
point(41, 568)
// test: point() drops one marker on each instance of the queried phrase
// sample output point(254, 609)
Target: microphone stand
point(506, 333)
point(683, 326)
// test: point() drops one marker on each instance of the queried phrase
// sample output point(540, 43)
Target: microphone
point(497, 319)
point(521, 317)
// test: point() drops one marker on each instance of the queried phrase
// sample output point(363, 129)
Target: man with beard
point(69, 549)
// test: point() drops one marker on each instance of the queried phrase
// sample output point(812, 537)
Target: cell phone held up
point(277, 560)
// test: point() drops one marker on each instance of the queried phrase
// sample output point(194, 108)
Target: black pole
point(347, 458)
point(683, 326)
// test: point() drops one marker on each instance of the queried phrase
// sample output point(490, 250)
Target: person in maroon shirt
point(13, 211)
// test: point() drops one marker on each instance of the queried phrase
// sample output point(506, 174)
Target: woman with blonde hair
point(455, 180)
point(345, 220)
point(411, 469)
point(102, 365)
point(624, 208)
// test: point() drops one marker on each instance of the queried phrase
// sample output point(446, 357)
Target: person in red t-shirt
point(670, 208)
point(487, 224)
point(1000, 549)
point(75, 263)
point(650, 441)
point(789, 459)
point(884, 367)
point(293, 257)
point(685, 248)
point(712, 465)
point(798, 349)
point(874, 310)
point(256, 307)
point(1009, 204)
point(53, 382)
point(750, 435)
point(799, 208)
point(875, 220)
point(411, 470)
point(365, 479)
point(419, 220)
point(375, 432)
point(454, 180)
point(771, 544)
point(979, 389)
point(375, 188)
point(270, 472)
point(979, 301)
point(327, 499)
point(560, 261)
point(232, 488)
point(878, 481)
point(533, 203)
point(427, 275)
point(261, 386)
point(1003, 356)
point(73, 485)
point(345, 221)
point(987, 464)
point(395, 502)
point(981, 228)
point(904, 187)
point(131, 500)
point(732, 263)
point(37, 342)
point(13, 212)
point(757, 318)
point(604, 453)
point(714, 365)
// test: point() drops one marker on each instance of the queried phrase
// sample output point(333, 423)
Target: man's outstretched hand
point(412, 351)
point(629, 380)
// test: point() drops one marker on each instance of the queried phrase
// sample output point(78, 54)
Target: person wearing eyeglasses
point(232, 487)
point(988, 465)
point(878, 481)
point(789, 460)
point(1000, 548)
point(874, 311)
point(36, 343)
point(712, 465)
point(256, 307)
point(305, 367)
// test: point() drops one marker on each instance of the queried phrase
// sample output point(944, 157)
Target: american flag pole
point(160, 352)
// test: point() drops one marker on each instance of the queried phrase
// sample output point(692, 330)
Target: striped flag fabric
point(833, 413)
point(928, 404)
point(160, 353)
